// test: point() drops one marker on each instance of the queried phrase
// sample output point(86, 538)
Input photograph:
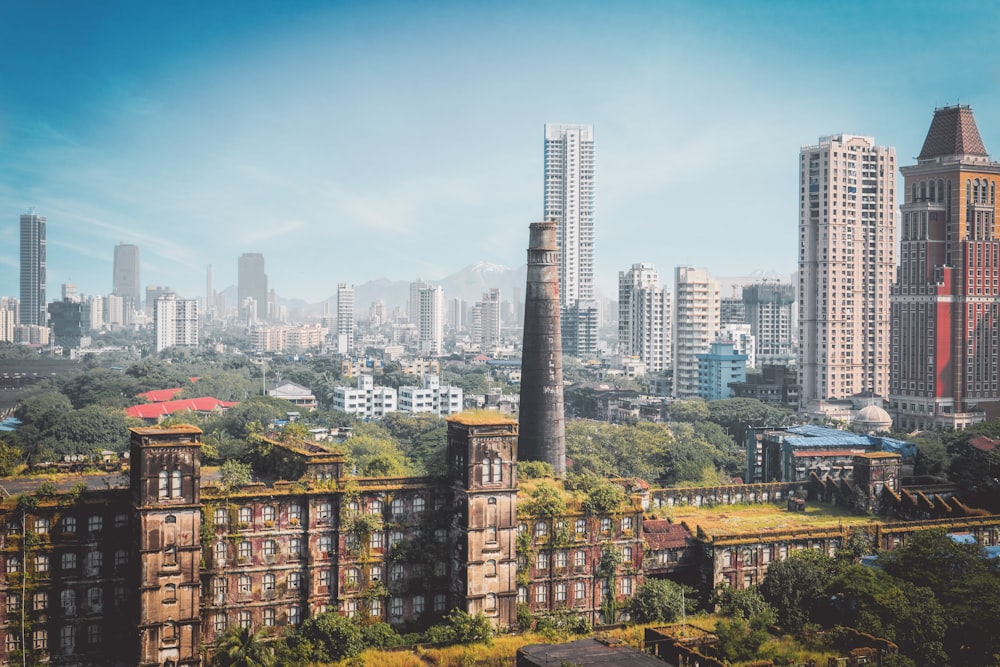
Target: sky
point(350, 141)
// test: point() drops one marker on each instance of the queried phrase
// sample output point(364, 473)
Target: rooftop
point(735, 520)
point(953, 132)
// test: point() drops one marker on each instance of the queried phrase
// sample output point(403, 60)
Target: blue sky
point(352, 141)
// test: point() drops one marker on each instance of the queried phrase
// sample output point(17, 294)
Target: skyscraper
point(489, 320)
point(252, 284)
point(847, 260)
point(33, 302)
point(643, 317)
point(126, 280)
point(946, 301)
point(569, 201)
point(769, 314)
point(430, 320)
point(695, 325)
point(345, 318)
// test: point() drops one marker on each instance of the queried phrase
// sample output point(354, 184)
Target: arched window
point(487, 478)
point(491, 568)
point(497, 470)
point(169, 631)
point(175, 486)
point(940, 190)
point(164, 485)
point(913, 192)
point(923, 190)
point(491, 601)
point(933, 192)
point(221, 552)
point(169, 594)
point(268, 583)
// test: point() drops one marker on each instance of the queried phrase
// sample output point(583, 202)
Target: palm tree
point(240, 647)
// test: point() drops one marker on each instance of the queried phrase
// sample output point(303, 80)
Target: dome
point(872, 418)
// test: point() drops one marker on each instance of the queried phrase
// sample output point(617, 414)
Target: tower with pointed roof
point(946, 300)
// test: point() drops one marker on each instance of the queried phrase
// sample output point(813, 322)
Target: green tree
point(261, 410)
point(741, 602)
point(225, 385)
point(241, 647)
point(740, 638)
point(371, 456)
point(326, 638)
point(657, 600)
point(930, 558)
point(793, 587)
point(736, 415)
point(689, 411)
point(235, 474)
point(545, 501)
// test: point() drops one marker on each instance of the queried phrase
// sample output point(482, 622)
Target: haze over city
point(349, 142)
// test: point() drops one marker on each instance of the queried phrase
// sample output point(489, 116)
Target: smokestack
point(542, 422)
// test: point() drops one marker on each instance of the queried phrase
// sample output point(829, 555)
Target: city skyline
point(262, 130)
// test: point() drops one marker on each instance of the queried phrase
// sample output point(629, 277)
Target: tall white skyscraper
point(345, 318)
point(175, 322)
point(695, 325)
point(430, 319)
point(488, 330)
point(33, 302)
point(847, 263)
point(644, 317)
point(126, 281)
point(569, 200)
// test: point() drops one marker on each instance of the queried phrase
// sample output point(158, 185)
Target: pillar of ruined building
point(542, 422)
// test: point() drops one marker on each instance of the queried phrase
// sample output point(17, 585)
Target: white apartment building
point(430, 397)
point(365, 401)
point(486, 321)
point(175, 322)
point(430, 320)
point(744, 342)
point(695, 325)
point(345, 319)
point(847, 263)
point(569, 200)
point(643, 317)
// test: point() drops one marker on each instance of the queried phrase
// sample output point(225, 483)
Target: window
point(13, 564)
point(486, 475)
point(325, 544)
point(243, 619)
point(396, 607)
point(294, 615)
point(42, 563)
point(93, 562)
point(40, 640)
point(354, 507)
point(324, 578)
point(69, 524)
point(541, 594)
point(541, 561)
point(418, 505)
point(580, 558)
point(13, 602)
point(560, 593)
point(175, 486)
point(164, 485)
point(581, 527)
point(221, 550)
point(626, 585)
point(398, 507)
point(40, 601)
point(376, 540)
point(270, 548)
point(491, 568)
point(245, 551)
point(219, 588)
point(246, 516)
point(95, 599)
point(396, 572)
point(219, 623)
point(268, 514)
point(95, 524)
point(376, 573)
point(375, 506)
point(42, 526)
point(522, 528)
point(440, 602)
point(605, 525)
point(295, 514)
point(221, 516)
point(491, 602)
point(269, 583)
point(269, 617)
point(418, 604)
point(627, 555)
point(170, 594)
point(294, 580)
point(121, 520)
point(395, 536)
point(243, 584)
point(13, 642)
point(68, 601)
point(560, 558)
point(626, 523)
point(375, 608)
point(522, 595)
point(497, 471)
point(121, 558)
point(69, 562)
point(294, 547)
point(351, 608)
point(580, 593)
point(541, 529)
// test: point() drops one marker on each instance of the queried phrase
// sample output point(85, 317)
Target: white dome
point(872, 418)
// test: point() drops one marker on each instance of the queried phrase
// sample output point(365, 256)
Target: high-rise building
point(252, 284)
point(847, 260)
point(732, 310)
point(946, 301)
point(345, 318)
point(695, 325)
point(769, 314)
point(33, 302)
point(126, 280)
point(580, 324)
point(489, 320)
point(569, 201)
point(430, 320)
point(643, 317)
point(175, 322)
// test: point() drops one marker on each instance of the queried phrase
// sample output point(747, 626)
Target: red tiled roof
point(156, 410)
point(160, 395)
point(662, 534)
point(953, 132)
point(984, 444)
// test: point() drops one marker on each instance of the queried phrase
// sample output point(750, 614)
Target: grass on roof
point(734, 519)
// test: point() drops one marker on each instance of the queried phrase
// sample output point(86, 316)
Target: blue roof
point(9, 424)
